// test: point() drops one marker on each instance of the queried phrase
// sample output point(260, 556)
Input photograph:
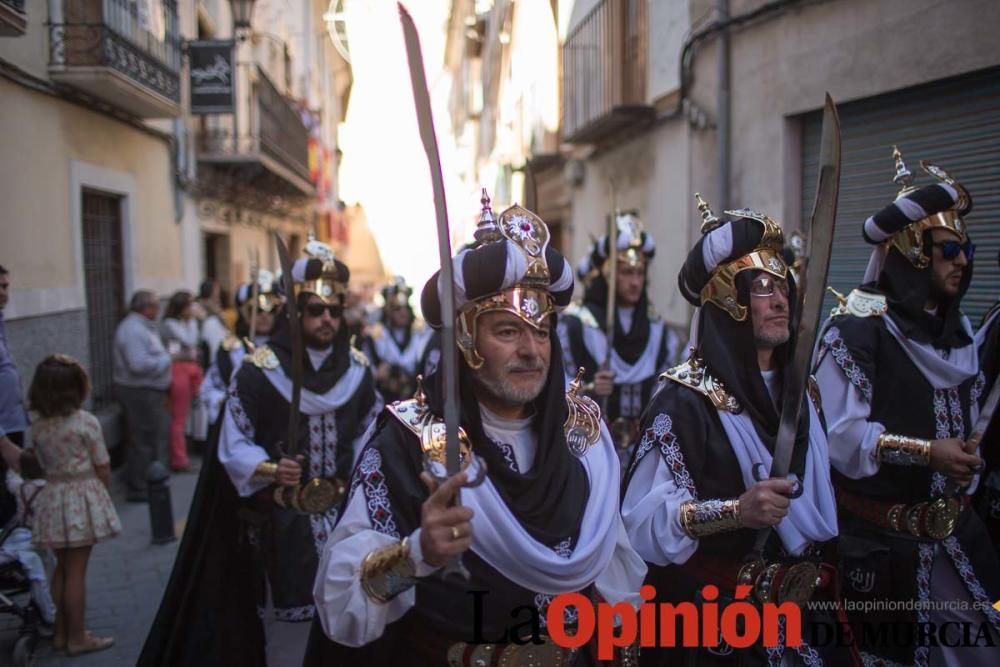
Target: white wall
point(651, 174)
point(668, 25)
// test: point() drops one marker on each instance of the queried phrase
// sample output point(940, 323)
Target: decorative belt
point(770, 581)
point(547, 653)
point(935, 518)
point(316, 496)
point(70, 476)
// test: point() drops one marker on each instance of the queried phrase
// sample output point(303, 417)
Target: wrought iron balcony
point(13, 21)
point(110, 49)
point(268, 146)
point(604, 73)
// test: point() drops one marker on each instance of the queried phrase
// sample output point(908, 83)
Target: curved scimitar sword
point(811, 283)
point(446, 284)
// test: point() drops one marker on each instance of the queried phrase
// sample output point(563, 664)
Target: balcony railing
point(13, 21)
point(270, 134)
point(126, 52)
point(604, 71)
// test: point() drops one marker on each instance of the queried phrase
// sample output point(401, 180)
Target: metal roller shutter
point(954, 123)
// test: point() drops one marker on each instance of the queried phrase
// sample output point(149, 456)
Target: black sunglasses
point(316, 309)
point(950, 249)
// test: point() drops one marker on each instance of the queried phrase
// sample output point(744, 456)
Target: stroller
point(14, 584)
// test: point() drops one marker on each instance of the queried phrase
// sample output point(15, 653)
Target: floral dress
point(74, 508)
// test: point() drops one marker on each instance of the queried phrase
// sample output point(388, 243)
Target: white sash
point(501, 540)
point(644, 367)
point(319, 404)
point(812, 517)
point(961, 364)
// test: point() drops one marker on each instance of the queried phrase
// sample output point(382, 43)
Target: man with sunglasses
point(901, 386)
point(287, 494)
point(696, 490)
point(643, 345)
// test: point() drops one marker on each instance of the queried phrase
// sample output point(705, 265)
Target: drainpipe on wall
point(724, 119)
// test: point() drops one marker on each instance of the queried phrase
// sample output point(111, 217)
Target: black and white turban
point(326, 278)
point(490, 269)
point(397, 292)
point(266, 284)
point(914, 207)
point(630, 235)
point(727, 243)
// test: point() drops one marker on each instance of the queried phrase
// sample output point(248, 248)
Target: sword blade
point(295, 333)
point(611, 312)
point(446, 284)
point(985, 417)
point(817, 262)
point(254, 292)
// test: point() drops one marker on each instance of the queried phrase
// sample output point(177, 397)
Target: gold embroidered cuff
point(901, 450)
point(387, 572)
point(266, 471)
point(708, 517)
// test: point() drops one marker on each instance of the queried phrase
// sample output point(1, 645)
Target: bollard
point(161, 512)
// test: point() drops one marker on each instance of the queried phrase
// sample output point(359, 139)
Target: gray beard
point(772, 341)
point(503, 391)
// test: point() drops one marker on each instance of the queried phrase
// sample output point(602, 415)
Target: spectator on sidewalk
point(212, 327)
point(17, 543)
point(74, 510)
point(180, 335)
point(213, 333)
point(13, 416)
point(142, 382)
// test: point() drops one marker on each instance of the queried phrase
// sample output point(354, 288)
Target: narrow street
point(125, 580)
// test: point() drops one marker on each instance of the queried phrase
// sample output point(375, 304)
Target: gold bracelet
point(266, 471)
point(708, 517)
point(387, 572)
point(902, 450)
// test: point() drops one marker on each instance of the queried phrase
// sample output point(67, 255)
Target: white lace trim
point(369, 474)
point(972, 582)
point(855, 375)
point(957, 418)
point(869, 660)
point(943, 430)
point(235, 407)
point(508, 455)
point(925, 561)
point(322, 463)
point(563, 549)
point(295, 614)
point(660, 434)
point(977, 388)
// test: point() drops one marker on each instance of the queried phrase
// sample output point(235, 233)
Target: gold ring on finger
point(454, 533)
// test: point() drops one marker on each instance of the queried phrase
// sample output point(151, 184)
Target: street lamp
point(242, 13)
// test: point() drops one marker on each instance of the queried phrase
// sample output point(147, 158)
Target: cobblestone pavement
point(125, 581)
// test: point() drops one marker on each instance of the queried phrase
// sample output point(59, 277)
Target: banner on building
point(213, 78)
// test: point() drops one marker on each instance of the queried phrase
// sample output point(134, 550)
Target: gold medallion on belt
point(934, 518)
point(780, 582)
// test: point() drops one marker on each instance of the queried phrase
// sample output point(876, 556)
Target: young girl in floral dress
point(73, 511)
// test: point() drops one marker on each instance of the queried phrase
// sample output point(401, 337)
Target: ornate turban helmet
point(511, 268)
point(752, 241)
point(320, 273)
point(268, 298)
point(902, 224)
